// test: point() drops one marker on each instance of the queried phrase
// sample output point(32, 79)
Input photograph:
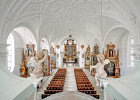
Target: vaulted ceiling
point(56, 19)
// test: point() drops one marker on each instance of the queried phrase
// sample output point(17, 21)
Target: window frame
point(11, 53)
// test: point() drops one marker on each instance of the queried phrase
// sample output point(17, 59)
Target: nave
point(77, 81)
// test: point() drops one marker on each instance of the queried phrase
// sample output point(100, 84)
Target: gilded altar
point(30, 58)
point(94, 60)
point(52, 58)
point(25, 68)
point(94, 55)
point(70, 52)
point(112, 69)
point(87, 58)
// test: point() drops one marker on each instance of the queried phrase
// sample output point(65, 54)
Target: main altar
point(70, 51)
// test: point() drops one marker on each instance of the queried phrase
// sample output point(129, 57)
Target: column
point(3, 54)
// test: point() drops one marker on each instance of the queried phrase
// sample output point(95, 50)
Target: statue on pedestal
point(38, 69)
point(100, 72)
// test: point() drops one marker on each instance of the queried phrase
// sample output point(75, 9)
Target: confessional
point(94, 60)
point(112, 68)
point(70, 51)
point(87, 58)
point(52, 58)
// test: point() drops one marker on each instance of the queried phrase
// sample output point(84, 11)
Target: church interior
point(69, 50)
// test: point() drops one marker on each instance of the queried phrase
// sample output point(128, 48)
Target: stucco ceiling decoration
point(65, 17)
point(56, 19)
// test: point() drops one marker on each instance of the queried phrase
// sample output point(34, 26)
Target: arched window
point(11, 53)
point(132, 52)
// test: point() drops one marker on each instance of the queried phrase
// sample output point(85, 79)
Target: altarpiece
point(94, 60)
point(52, 58)
point(87, 58)
point(112, 69)
point(70, 51)
point(25, 68)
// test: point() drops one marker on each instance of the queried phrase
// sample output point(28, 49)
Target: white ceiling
point(56, 19)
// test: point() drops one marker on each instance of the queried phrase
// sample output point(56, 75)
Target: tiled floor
point(70, 82)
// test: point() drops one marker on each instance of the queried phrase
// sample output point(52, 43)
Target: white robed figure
point(38, 70)
point(100, 72)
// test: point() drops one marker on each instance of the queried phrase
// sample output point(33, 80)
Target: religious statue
point(30, 50)
point(38, 70)
point(100, 72)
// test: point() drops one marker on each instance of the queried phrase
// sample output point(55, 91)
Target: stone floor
point(70, 82)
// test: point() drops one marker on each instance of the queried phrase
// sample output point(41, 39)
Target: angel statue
point(38, 60)
point(100, 72)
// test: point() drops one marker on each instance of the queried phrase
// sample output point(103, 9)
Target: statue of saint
point(38, 70)
point(100, 72)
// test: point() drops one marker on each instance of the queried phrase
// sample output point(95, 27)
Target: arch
point(26, 35)
point(22, 36)
point(112, 30)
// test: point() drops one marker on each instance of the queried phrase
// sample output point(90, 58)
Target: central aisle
point(70, 82)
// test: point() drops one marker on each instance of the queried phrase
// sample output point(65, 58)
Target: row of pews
point(83, 83)
point(57, 83)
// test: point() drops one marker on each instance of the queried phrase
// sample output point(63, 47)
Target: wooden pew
point(83, 83)
point(56, 84)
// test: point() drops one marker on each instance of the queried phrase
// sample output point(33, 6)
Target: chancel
point(69, 50)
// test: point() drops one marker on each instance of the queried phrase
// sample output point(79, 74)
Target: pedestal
point(103, 85)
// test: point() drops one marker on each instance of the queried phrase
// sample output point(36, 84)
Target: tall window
point(11, 53)
point(132, 52)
